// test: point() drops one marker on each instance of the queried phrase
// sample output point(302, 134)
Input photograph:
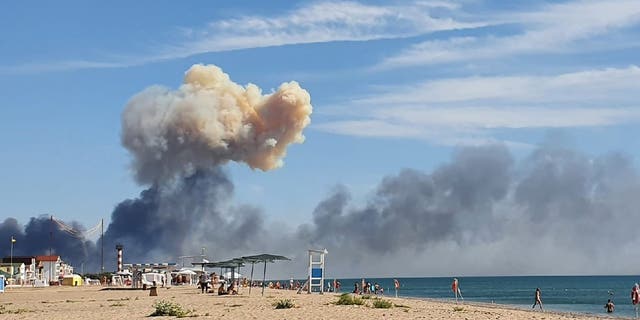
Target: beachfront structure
point(72, 280)
point(15, 272)
point(316, 270)
point(52, 268)
point(44, 268)
point(29, 265)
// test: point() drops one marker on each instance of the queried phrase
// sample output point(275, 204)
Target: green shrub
point(456, 309)
point(283, 304)
point(348, 299)
point(366, 297)
point(382, 304)
point(168, 308)
point(4, 310)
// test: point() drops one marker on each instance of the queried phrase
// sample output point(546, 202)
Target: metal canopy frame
point(239, 262)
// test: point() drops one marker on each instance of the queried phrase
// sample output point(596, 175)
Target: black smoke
point(172, 219)
point(41, 236)
point(484, 212)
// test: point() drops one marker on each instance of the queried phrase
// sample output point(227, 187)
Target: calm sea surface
point(582, 294)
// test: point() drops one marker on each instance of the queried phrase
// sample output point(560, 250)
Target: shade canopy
point(263, 257)
point(239, 262)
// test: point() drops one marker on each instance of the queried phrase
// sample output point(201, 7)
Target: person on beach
point(203, 283)
point(538, 300)
point(355, 288)
point(610, 306)
point(396, 285)
point(455, 287)
point(362, 286)
point(635, 297)
point(221, 291)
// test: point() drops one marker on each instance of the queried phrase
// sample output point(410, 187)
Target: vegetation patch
point(366, 297)
point(117, 304)
point(168, 308)
point(458, 309)
point(121, 299)
point(347, 299)
point(382, 304)
point(401, 306)
point(284, 304)
point(4, 310)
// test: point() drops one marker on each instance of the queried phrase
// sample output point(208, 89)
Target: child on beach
point(538, 299)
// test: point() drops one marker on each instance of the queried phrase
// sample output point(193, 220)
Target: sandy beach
point(94, 303)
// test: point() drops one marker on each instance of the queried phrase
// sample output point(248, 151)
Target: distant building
point(30, 271)
point(48, 268)
point(16, 272)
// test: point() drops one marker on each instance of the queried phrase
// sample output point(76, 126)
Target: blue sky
point(393, 85)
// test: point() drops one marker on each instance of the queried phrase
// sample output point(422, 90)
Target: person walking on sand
point(610, 306)
point(203, 283)
point(455, 287)
point(635, 297)
point(538, 300)
point(396, 285)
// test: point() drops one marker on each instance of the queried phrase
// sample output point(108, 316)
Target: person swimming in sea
point(610, 307)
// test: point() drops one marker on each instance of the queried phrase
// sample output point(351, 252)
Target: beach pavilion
point(262, 258)
point(231, 265)
point(225, 266)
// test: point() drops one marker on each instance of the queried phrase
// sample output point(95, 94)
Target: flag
point(13, 240)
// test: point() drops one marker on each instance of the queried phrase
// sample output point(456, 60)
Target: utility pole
point(102, 245)
point(13, 240)
point(50, 244)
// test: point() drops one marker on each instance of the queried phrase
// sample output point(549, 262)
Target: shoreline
point(93, 303)
point(504, 306)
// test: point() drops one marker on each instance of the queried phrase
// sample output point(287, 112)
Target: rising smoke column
point(178, 140)
point(209, 121)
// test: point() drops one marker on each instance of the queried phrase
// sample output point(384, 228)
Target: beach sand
point(91, 303)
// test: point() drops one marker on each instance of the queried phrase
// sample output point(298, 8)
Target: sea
point(577, 294)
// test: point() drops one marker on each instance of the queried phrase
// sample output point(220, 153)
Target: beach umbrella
point(262, 258)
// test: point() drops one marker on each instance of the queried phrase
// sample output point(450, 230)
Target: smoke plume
point(178, 140)
point(556, 211)
point(209, 121)
point(40, 234)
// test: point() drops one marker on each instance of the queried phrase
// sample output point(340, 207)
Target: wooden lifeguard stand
point(316, 270)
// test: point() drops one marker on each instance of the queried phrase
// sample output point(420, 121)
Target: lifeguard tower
point(316, 270)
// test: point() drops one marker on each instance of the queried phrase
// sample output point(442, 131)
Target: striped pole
point(119, 248)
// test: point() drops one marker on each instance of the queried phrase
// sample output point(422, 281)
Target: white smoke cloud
point(210, 120)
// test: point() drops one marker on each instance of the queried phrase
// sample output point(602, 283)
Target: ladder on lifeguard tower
point(316, 270)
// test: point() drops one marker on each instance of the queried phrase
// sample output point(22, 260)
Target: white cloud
point(322, 22)
point(554, 28)
point(613, 85)
point(317, 22)
point(465, 110)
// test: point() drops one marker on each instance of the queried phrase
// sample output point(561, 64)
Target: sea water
point(579, 294)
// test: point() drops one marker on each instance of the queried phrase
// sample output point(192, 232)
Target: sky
point(402, 93)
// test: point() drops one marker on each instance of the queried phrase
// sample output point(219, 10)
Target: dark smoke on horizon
point(556, 211)
point(40, 234)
